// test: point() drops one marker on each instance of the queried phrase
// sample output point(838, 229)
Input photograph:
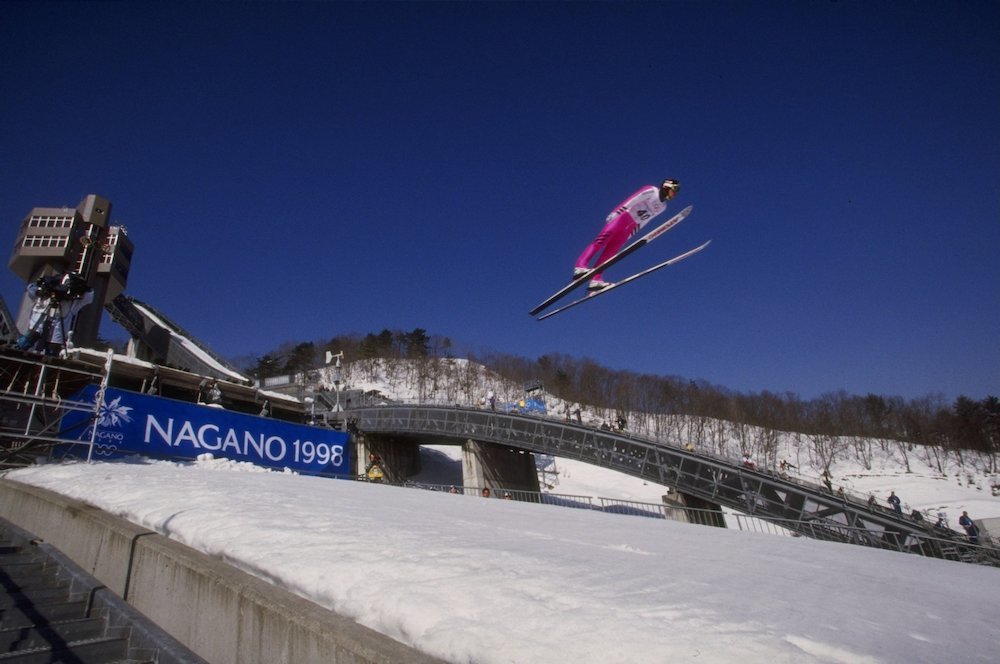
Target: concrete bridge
point(698, 481)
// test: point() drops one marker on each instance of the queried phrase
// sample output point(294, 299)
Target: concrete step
point(34, 593)
point(52, 611)
point(36, 636)
point(99, 650)
point(27, 615)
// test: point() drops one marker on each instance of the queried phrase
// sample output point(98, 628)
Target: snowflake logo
point(114, 413)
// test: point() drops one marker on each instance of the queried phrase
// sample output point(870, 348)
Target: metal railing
point(948, 548)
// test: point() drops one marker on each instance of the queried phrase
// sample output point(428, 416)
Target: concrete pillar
point(398, 459)
point(497, 466)
point(684, 507)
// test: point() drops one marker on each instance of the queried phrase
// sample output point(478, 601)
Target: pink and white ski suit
point(628, 217)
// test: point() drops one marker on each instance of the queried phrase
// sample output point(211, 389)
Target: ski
point(590, 296)
point(644, 240)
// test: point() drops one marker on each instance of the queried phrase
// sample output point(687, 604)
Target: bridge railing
point(937, 547)
point(846, 498)
point(809, 511)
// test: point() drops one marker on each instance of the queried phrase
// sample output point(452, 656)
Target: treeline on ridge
point(965, 424)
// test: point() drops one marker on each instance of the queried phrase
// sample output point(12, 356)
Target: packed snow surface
point(469, 579)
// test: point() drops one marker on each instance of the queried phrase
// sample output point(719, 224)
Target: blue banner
point(131, 423)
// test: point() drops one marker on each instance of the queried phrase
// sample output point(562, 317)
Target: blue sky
point(292, 171)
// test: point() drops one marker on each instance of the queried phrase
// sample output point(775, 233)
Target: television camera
point(61, 287)
point(57, 297)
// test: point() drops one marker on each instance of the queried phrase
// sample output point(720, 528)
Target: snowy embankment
point(495, 581)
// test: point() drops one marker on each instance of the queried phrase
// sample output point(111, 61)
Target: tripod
point(38, 337)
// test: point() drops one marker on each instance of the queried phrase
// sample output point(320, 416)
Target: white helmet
point(669, 189)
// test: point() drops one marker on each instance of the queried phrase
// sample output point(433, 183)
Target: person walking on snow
point(628, 217)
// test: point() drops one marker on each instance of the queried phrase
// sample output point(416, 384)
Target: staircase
point(52, 611)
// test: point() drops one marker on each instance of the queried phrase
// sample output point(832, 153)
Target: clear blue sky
point(291, 171)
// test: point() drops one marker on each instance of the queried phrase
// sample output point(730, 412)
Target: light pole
point(337, 375)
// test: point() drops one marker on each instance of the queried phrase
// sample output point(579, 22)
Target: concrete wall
point(220, 613)
point(708, 514)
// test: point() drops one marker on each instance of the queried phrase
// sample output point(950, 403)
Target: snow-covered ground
point(495, 581)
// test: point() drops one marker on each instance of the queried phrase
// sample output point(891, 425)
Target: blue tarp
point(530, 405)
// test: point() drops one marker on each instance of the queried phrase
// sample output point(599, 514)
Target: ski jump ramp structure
point(157, 339)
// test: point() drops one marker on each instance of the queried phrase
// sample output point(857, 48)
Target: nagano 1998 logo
point(112, 414)
point(130, 422)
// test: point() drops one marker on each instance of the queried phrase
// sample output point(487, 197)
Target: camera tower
point(80, 240)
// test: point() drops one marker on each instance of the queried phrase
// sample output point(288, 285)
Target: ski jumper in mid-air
point(624, 221)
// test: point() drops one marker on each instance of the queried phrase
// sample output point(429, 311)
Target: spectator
point(971, 529)
point(894, 502)
point(56, 301)
point(827, 480)
point(916, 515)
point(486, 492)
point(872, 503)
point(214, 393)
point(373, 471)
point(748, 462)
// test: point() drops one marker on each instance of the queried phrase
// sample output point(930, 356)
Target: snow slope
point(495, 581)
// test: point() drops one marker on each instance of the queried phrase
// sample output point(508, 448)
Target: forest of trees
point(965, 424)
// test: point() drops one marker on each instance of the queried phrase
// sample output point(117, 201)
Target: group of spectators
point(970, 527)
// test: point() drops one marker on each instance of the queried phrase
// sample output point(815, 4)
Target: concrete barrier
point(222, 614)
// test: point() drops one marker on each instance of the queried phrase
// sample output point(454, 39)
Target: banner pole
point(99, 403)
